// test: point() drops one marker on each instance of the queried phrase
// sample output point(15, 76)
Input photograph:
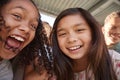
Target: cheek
point(31, 38)
point(4, 32)
point(111, 32)
point(62, 45)
point(88, 38)
point(60, 42)
point(6, 29)
point(107, 32)
point(7, 25)
point(2, 22)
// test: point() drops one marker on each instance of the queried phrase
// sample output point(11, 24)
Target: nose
point(72, 38)
point(24, 28)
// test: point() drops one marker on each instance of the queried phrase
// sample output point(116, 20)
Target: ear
point(103, 29)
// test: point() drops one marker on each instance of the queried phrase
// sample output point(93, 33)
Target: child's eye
point(33, 27)
point(17, 17)
point(61, 34)
point(80, 30)
point(113, 27)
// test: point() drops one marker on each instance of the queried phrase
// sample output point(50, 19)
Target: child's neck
point(80, 65)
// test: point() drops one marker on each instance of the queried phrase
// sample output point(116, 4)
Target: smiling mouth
point(13, 43)
point(74, 48)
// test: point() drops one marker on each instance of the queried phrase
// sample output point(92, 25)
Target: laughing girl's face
point(21, 21)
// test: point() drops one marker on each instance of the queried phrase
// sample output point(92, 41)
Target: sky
point(48, 19)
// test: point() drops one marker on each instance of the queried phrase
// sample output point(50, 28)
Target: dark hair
point(98, 56)
point(3, 2)
point(36, 48)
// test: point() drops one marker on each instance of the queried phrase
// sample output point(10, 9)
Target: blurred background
point(98, 8)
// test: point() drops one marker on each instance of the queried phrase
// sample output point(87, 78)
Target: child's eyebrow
point(19, 7)
point(60, 29)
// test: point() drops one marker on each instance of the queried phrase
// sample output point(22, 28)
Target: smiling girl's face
point(111, 31)
point(74, 36)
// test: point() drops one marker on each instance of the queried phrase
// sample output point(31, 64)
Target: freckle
point(7, 28)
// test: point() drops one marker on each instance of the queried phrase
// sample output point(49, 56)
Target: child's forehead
point(113, 19)
point(19, 2)
point(114, 22)
point(112, 16)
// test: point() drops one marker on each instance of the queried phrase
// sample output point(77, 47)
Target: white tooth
point(72, 48)
point(18, 38)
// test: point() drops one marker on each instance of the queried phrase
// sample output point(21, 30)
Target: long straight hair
point(99, 58)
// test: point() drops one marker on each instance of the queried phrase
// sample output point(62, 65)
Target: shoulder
point(115, 56)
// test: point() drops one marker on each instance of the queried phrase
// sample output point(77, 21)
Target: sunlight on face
point(112, 31)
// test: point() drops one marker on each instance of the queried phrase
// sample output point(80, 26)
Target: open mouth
point(13, 43)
